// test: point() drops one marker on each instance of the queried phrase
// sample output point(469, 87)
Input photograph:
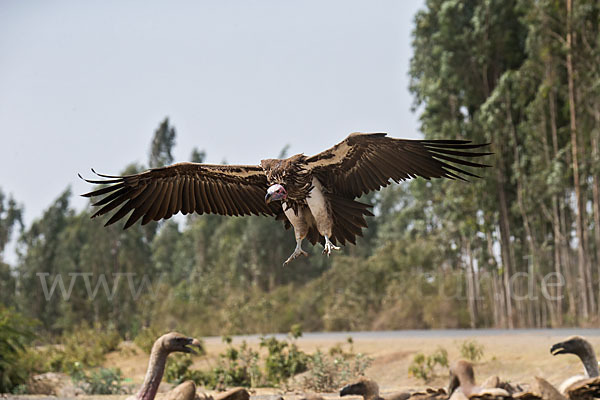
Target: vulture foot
point(297, 253)
point(329, 246)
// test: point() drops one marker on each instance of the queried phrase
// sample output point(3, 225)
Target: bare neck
point(154, 374)
point(590, 364)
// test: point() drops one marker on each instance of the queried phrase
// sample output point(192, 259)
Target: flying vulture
point(315, 194)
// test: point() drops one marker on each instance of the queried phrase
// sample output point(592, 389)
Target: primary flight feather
point(314, 194)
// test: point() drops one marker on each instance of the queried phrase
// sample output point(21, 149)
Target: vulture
point(462, 384)
point(580, 386)
point(369, 390)
point(163, 346)
point(314, 194)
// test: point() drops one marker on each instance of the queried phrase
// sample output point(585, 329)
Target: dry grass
point(514, 357)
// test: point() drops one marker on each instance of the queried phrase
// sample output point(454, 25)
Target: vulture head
point(573, 345)
point(275, 192)
point(463, 377)
point(172, 342)
point(364, 387)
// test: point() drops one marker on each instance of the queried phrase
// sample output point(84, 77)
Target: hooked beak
point(268, 198)
point(347, 390)
point(195, 343)
point(557, 349)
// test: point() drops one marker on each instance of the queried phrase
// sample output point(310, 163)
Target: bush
point(16, 334)
point(472, 350)
point(236, 367)
point(82, 347)
point(327, 372)
point(101, 381)
point(423, 367)
point(178, 371)
point(284, 359)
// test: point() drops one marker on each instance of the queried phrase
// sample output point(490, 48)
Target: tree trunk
point(596, 188)
point(497, 296)
point(556, 307)
point(471, 293)
point(505, 245)
point(585, 283)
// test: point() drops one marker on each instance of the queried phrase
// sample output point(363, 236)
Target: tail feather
point(348, 218)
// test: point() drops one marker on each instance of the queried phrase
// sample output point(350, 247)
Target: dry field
point(514, 356)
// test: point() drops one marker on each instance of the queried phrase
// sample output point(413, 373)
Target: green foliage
point(101, 381)
point(471, 350)
point(16, 334)
point(424, 367)
point(243, 366)
point(284, 359)
point(236, 367)
point(83, 348)
point(146, 337)
point(178, 371)
point(162, 145)
point(327, 372)
point(11, 216)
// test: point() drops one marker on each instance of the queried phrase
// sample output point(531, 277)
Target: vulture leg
point(329, 246)
point(301, 224)
point(297, 253)
point(320, 210)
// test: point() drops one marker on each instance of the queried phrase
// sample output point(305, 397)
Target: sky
point(85, 84)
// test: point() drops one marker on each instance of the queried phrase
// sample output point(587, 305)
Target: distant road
point(423, 333)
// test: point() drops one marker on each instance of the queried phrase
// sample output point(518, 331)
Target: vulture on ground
point(315, 194)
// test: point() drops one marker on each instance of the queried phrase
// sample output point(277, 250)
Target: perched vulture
point(316, 194)
point(580, 387)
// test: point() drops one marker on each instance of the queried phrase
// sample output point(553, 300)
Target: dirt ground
point(513, 356)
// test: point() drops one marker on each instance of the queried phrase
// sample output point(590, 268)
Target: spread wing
point(369, 161)
point(187, 187)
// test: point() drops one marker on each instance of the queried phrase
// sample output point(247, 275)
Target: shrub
point(178, 370)
point(471, 350)
point(16, 333)
point(82, 347)
point(284, 359)
point(101, 381)
point(327, 372)
point(236, 367)
point(423, 367)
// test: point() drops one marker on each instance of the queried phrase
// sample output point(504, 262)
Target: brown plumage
point(233, 394)
point(462, 384)
point(369, 390)
point(494, 382)
point(315, 194)
point(584, 389)
point(183, 391)
point(430, 394)
point(540, 389)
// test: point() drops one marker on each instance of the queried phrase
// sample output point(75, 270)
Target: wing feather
point(369, 161)
point(185, 187)
point(174, 199)
point(185, 197)
point(154, 209)
point(140, 210)
point(206, 191)
point(164, 204)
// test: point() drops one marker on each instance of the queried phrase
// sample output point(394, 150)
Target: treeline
point(518, 248)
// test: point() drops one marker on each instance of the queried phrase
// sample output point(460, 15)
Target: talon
point(297, 253)
point(329, 246)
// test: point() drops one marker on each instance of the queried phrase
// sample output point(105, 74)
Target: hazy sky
point(84, 84)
